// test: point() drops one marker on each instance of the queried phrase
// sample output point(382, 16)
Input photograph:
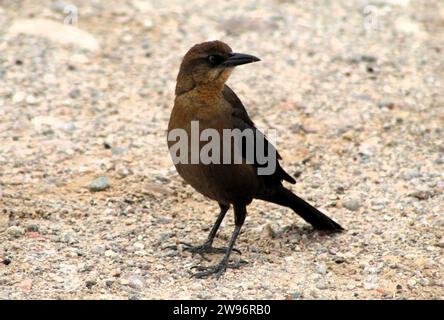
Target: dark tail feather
point(307, 212)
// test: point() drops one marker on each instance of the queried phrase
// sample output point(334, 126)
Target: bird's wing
point(241, 120)
point(238, 108)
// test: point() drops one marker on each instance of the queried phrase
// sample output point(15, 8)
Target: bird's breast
point(218, 181)
point(212, 113)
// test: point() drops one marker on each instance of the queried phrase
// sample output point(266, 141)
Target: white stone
point(56, 32)
point(139, 245)
point(18, 97)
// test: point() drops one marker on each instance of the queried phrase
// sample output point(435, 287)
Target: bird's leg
point(207, 246)
point(240, 213)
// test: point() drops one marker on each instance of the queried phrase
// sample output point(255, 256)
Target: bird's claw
point(217, 270)
point(206, 248)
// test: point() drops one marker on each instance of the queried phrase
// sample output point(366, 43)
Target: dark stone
point(90, 284)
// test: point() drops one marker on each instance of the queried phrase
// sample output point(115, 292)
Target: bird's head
point(208, 65)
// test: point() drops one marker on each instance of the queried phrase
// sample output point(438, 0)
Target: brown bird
point(203, 96)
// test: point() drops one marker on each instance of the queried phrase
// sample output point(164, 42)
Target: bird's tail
point(307, 212)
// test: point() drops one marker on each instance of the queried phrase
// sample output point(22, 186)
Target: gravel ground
point(90, 203)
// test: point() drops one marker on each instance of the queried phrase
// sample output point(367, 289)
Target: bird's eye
point(215, 59)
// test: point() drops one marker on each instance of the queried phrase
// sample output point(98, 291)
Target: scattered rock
point(99, 249)
point(371, 278)
point(441, 243)
point(369, 147)
point(32, 227)
point(15, 232)
point(164, 220)
point(155, 189)
point(424, 282)
point(31, 100)
point(367, 58)
point(119, 150)
point(90, 283)
point(122, 171)
point(321, 284)
point(238, 25)
point(110, 254)
point(26, 285)
point(42, 123)
point(74, 93)
point(6, 261)
point(136, 282)
point(69, 238)
point(55, 31)
point(18, 97)
point(411, 282)
point(293, 296)
point(411, 174)
point(57, 278)
point(352, 204)
point(4, 220)
point(421, 193)
point(142, 6)
point(408, 26)
point(127, 38)
point(99, 184)
point(321, 268)
point(148, 24)
point(139, 246)
point(402, 3)
point(386, 104)
point(339, 259)
point(268, 232)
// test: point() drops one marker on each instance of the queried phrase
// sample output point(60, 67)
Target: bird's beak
point(236, 59)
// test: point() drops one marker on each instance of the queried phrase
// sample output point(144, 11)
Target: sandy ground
point(353, 88)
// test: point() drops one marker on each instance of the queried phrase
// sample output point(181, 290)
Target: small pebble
point(32, 227)
point(321, 268)
point(148, 24)
point(15, 231)
point(352, 204)
point(411, 174)
point(139, 245)
point(6, 261)
point(293, 296)
point(421, 193)
point(386, 104)
point(424, 282)
point(411, 282)
point(110, 253)
point(267, 232)
point(18, 97)
point(119, 150)
point(74, 93)
point(136, 282)
point(321, 285)
point(99, 184)
point(90, 283)
point(69, 238)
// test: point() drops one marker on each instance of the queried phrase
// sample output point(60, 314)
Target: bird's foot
point(217, 270)
point(206, 248)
